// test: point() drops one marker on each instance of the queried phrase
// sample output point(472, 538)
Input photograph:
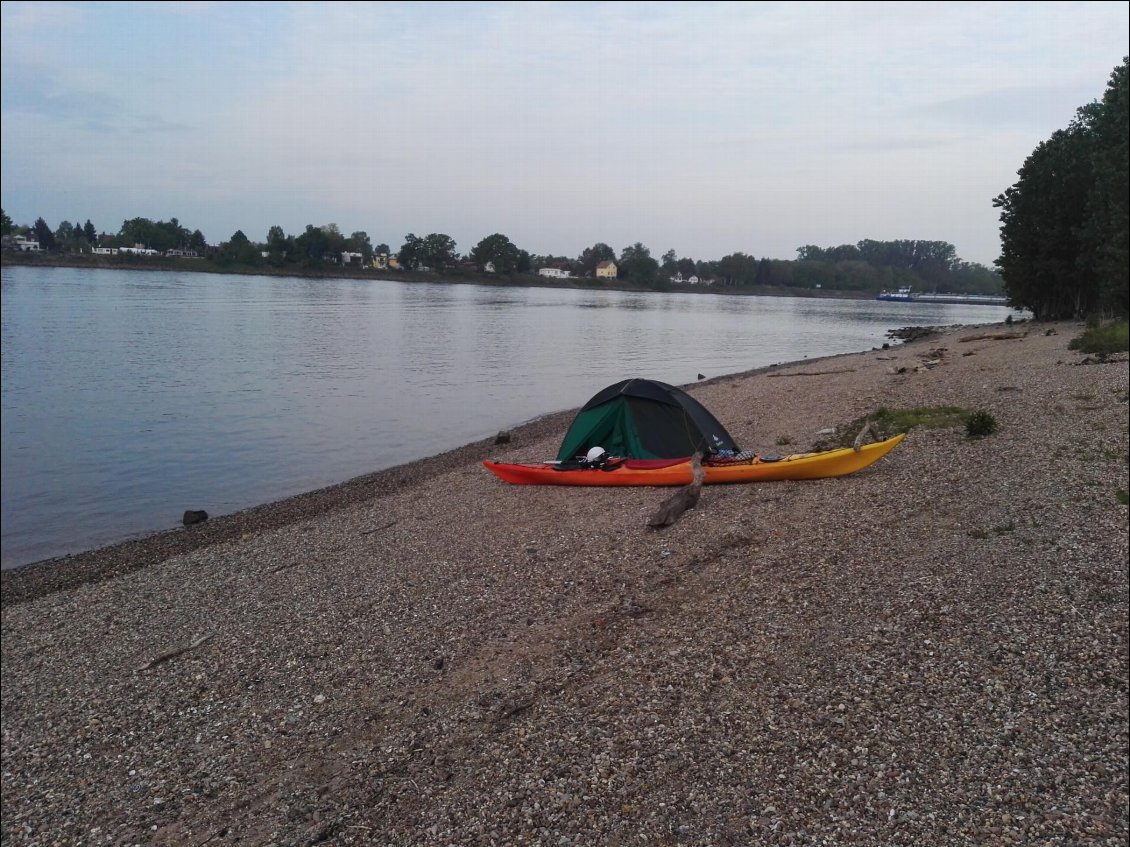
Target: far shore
point(11, 258)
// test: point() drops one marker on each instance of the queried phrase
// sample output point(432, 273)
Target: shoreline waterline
point(34, 579)
point(130, 397)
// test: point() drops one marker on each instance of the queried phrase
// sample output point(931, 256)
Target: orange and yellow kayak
point(828, 463)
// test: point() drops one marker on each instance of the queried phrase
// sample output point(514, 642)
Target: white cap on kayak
point(595, 454)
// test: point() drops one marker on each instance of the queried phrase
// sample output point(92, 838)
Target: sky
point(703, 128)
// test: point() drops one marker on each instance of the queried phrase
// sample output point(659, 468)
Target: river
point(130, 396)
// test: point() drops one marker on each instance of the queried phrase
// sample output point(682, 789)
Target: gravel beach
point(932, 651)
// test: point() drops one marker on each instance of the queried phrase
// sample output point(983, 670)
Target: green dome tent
point(644, 419)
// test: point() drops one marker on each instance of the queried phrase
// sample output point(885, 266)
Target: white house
point(104, 251)
point(555, 273)
point(27, 245)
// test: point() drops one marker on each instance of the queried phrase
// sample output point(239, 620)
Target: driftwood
point(993, 336)
point(671, 509)
point(172, 654)
point(863, 433)
point(816, 373)
point(380, 528)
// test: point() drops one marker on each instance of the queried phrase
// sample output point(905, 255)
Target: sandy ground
point(930, 651)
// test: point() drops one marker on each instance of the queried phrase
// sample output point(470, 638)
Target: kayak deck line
point(647, 472)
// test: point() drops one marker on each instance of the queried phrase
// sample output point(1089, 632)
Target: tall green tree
point(1043, 248)
point(157, 235)
point(738, 269)
point(1109, 204)
point(5, 223)
point(43, 234)
point(312, 245)
point(276, 240)
point(438, 251)
point(497, 251)
point(638, 267)
point(592, 256)
point(359, 242)
point(238, 251)
point(89, 233)
point(409, 254)
point(1064, 222)
point(64, 233)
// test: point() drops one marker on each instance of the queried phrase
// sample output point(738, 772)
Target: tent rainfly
point(644, 419)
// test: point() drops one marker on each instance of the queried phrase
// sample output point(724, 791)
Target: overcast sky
point(703, 128)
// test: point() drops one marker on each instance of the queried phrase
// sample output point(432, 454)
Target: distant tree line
point(1064, 230)
point(869, 266)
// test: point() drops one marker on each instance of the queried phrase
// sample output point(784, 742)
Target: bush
point(1103, 340)
point(980, 424)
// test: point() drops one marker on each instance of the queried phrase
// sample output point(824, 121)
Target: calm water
point(128, 397)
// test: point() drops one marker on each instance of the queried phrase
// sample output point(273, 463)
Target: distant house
point(488, 267)
point(104, 251)
point(139, 250)
point(554, 273)
point(606, 270)
point(190, 254)
point(27, 245)
point(380, 261)
point(348, 258)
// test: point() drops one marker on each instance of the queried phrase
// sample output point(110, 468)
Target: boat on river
point(906, 295)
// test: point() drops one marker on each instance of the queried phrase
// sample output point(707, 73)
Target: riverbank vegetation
point(863, 269)
point(1104, 340)
point(1065, 234)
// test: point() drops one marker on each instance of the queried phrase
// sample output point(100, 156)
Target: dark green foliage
point(593, 256)
point(1103, 340)
point(638, 267)
point(980, 424)
point(438, 251)
point(877, 265)
point(43, 234)
point(498, 251)
point(238, 251)
point(1064, 231)
point(312, 246)
point(160, 235)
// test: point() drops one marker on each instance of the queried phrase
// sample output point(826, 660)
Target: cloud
point(711, 126)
